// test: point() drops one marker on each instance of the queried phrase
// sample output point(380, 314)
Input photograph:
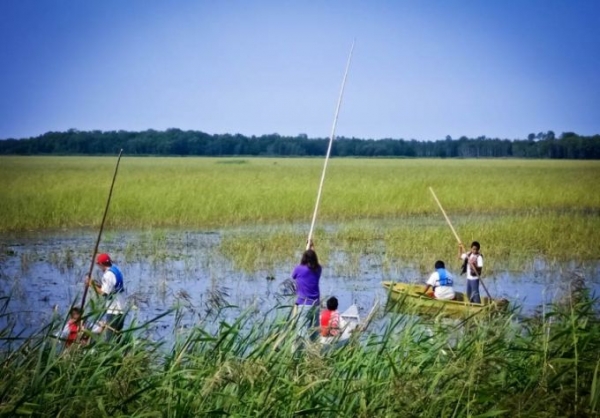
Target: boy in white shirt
point(112, 289)
point(472, 265)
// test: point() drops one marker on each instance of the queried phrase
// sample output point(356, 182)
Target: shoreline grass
point(546, 366)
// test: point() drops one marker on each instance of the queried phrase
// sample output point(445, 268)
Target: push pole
point(85, 289)
point(337, 111)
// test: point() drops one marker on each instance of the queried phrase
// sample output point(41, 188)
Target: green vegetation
point(177, 142)
point(527, 209)
point(520, 210)
point(547, 366)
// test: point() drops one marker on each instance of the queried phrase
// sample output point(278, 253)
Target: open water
point(43, 273)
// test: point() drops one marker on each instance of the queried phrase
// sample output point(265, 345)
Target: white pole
point(337, 111)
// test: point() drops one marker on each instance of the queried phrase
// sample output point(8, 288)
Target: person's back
point(306, 276)
point(442, 282)
point(307, 284)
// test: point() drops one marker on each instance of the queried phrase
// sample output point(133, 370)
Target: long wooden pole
point(85, 290)
point(337, 111)
point(445, 216)
point(459, 241)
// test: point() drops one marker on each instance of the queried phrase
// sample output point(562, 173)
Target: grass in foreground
point(547, 366)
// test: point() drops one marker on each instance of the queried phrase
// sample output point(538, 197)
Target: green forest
point(568, 145)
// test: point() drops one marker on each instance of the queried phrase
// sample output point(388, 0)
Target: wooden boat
point(410, 297)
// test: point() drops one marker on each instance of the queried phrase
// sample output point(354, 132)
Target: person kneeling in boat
point(331, 321)
point(441, 282)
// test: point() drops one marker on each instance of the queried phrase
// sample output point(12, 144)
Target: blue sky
point(420, 69)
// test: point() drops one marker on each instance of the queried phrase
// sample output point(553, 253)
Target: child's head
point(332, 303)
point(75, 313)
point(440, 265)
point(475, 247)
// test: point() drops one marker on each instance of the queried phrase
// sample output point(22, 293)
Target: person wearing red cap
point(111, 288)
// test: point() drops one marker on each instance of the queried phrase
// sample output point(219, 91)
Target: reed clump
point(546, 366)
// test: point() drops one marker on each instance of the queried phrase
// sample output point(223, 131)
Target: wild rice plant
point(523, 209)
point(66, 192)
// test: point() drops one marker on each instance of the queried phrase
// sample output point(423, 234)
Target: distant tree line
point(177, 142)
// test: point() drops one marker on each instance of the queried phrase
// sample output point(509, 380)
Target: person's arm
point(334, 325)
point(97, 288)
point(461, 251)
point(431, 282)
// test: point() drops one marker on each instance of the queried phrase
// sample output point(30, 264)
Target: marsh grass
point(546, 366)
point(67, 192)
point(509, 242)
point(519, 210)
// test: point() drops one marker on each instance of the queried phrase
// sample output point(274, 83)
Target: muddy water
point(43, 273)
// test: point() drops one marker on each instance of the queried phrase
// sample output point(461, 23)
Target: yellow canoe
point(410, 297)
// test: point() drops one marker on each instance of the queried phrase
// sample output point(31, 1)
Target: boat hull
point(410, 298)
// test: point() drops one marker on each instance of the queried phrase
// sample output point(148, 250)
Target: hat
point(103, 259)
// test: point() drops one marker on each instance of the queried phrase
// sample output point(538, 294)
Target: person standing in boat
point(306, 276)
point(112, 289)
point(441, 282)
point(472, 265)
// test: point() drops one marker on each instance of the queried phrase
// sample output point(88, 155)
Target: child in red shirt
point(72, 328)
point(330, 319)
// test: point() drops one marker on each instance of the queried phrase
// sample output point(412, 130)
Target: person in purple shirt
point(307, 275)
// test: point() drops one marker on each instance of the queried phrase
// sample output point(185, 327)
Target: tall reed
point(546, 366)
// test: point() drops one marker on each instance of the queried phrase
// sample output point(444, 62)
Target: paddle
point(87, 285)
point(459, 241)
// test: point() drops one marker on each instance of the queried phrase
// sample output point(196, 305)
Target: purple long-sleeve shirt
point(307, 285)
